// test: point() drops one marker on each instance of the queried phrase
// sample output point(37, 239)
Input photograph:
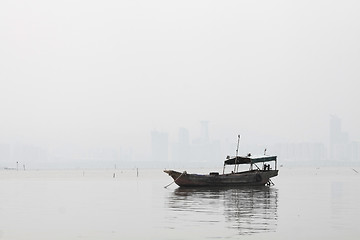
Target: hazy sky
point(106, 73)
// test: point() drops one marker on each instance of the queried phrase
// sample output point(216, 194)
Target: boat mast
point(237, 152)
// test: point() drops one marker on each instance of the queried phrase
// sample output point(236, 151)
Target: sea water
point(304, 203)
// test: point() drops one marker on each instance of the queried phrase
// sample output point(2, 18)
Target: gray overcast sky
point(108, 72)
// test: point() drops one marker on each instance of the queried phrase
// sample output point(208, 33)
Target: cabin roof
point(249, 159)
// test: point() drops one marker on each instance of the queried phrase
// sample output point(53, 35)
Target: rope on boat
point(175, 180)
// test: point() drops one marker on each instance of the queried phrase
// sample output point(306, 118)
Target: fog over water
point(308, 203)
point(80, 79)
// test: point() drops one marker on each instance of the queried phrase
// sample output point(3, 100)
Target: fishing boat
point(255, 176)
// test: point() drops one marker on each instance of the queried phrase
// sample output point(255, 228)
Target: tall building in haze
point(181, 152)
point(339, 141)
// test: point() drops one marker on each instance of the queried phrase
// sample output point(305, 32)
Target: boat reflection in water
point(248, 210)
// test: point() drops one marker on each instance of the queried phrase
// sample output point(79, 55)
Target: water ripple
point(248, 210)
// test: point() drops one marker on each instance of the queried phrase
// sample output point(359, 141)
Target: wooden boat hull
point(247, 178)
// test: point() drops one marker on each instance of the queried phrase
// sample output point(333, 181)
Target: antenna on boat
point(237, 153)
point(237, 149)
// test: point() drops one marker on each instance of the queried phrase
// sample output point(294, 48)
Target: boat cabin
point(252, 161)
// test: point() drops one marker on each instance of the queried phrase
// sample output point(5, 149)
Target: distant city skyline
point(186, 151)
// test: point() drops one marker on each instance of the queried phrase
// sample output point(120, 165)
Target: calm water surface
point(307, 203)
